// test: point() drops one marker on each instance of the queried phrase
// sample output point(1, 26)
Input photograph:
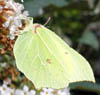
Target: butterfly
point(47, 60)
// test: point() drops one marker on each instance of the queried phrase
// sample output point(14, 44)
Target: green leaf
point(35, 6)
point(47, 60)
point(90, 39)
point(85, 86)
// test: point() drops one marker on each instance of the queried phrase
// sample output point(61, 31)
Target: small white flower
point(25, 13)
point(63, 92)
point(19, 92)
point(12, 29)
point(1, 8)
point(6, 24)
point(3, 88)
point(32, 92)
point(7, 81)
point(0, 88)
point(12, 4)
point(18, 8)
point(67, 90)
point(5, 93)
point(47, 91)
point(12, 37)
point(9, 90)
point(17, 21)
point(25, 89)
point(10, 18)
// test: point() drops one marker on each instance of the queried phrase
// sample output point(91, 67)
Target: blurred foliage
point(35, 7)
point(89, 38)
point(75, 21)
point(86, 86)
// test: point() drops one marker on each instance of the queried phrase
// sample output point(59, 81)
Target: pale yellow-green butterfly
point(47, 60)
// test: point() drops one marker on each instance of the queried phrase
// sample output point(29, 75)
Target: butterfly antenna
point(49, 18)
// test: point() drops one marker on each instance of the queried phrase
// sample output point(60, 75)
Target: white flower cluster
point(14, 16)
point(50, 91)
point(6, 90)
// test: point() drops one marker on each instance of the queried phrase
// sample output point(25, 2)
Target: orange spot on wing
point(66, 52)
point(48, 60)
